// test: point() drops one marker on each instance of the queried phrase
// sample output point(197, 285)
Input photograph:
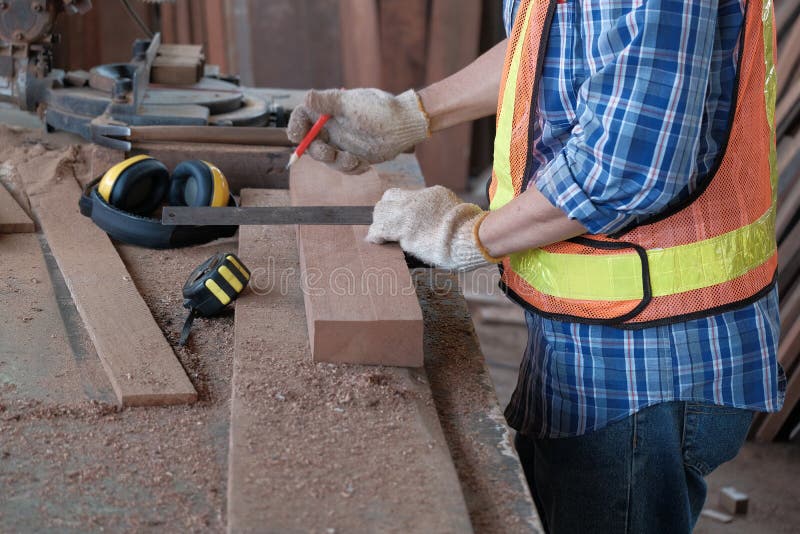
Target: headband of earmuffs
point(120, 200)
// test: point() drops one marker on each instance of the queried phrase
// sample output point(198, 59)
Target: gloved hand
point(433, 225)
point(366, 126)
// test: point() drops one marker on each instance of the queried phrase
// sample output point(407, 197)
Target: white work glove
point(433, 225)
point(366, 126)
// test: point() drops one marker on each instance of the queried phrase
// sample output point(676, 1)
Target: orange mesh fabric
point(535, 41)
point(738, 195)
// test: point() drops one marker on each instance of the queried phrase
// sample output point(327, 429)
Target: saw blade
point(267, 216)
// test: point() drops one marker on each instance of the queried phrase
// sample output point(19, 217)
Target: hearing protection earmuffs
point(121, 201)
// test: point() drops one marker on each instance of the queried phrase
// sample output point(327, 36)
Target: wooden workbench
point(72, 461)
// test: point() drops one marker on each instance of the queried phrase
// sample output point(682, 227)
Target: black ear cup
point(137, 185)
point(192, 184)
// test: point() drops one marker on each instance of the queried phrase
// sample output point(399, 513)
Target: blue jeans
point(639, 475)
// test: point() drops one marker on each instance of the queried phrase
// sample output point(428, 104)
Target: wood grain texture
point(361, 43)
point(243, 165)
point(453, 44)
point(360, 301)
point(403, 33)
point(13, 219)
point(289, 43)
point(295, 464)
point(141, 365)
point(773, 423)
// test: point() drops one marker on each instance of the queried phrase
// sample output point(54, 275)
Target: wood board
point(243, 165)
point(140, 364)
point(361, 43)
point(13, 219)
point(396, 470)
point(361, 306)
point(453, 44)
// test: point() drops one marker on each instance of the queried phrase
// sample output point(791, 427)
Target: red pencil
point(310, 136)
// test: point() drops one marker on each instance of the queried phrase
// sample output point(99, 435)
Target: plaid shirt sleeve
point(638, 113)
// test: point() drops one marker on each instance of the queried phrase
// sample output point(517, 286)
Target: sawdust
point(82, 465)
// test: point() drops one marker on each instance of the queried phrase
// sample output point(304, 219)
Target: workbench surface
point(71, 460)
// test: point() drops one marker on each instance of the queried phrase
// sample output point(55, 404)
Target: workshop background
point(396, 44)
point(301, 44)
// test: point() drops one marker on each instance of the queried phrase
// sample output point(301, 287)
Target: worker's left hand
point(432, 224)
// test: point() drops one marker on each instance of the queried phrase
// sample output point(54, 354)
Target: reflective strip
point(218, 292)
point(505, 124)
point(770, 90)
point(673, 270)
point(239, 266)
point(106, 184)
point(231, 279)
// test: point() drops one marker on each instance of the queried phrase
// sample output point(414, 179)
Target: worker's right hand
point(366, 126)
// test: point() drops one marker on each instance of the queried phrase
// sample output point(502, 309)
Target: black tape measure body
point(213, 285)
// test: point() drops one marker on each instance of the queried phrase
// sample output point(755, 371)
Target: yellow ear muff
point(222, 191)
point(106, 184)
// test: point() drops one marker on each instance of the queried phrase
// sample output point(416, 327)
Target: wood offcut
point(141, 365)
point(13, 219)
point(361, 306)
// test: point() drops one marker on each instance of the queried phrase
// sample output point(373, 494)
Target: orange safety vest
point(715, 252)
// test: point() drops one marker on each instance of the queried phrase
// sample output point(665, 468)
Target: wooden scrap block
point(717, 516)
point(13, 219)
point(140, 364)
point(733, 501)
point(178, 65)
point(361, 305)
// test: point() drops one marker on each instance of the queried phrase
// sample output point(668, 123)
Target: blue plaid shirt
point(634, 106)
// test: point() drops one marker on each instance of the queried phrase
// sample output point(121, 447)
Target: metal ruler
point(320, 215)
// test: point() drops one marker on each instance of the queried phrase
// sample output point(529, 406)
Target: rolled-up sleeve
point(638, 115)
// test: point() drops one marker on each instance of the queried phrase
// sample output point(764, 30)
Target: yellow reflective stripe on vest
point(770, 91)
point(673, 270)
point(505, 123)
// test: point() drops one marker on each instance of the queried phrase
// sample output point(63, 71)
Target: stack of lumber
point(787, 123)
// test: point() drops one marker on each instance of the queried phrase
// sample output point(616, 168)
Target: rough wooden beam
point(295, 462)
point(403, 34)
point(361, 43)
point(773, 423)
point(141, 365)
point(360, 300)
point(13, 219)
point(243, 165)
point(453, 44)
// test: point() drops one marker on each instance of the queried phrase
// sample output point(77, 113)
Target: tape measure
point(213, 285)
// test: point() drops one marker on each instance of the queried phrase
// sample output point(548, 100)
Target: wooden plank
point(215, 35)
point(243, 165)
point(183, 22)
point(140, 364)
point(360, 302)
point(453, 44)
point(169, 28)
point(301, 38)
point(361, 43)
point(788, 57)
point(403, 31)
point(13, 219)
point(37, 318)
point(320, 448)
point(773, 422)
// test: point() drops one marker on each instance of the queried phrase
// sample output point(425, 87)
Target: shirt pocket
point(558, 85)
